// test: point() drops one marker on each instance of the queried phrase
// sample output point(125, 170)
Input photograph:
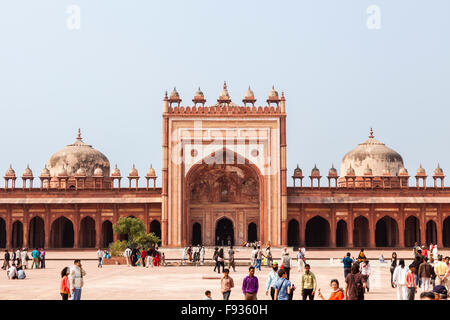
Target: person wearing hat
point(272, 280)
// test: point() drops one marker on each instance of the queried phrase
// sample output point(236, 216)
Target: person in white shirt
point(365, 271)
point(202, 255)
point(18, 256)
point(184, 256)
point(76, 279)
point(23, 258)
point(399, 279)
point(300, 259)
point(127, 255)
point(99, 257)
point(12, 272)
point(253, 256)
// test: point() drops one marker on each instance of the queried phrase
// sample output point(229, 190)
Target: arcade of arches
point(321, 231)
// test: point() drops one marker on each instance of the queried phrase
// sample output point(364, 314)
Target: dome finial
point(371, 133)
point(79, 134)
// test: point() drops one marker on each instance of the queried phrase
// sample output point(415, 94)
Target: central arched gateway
point(224, 199)
point(224, 232)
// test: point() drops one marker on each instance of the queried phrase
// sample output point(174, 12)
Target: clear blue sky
point(339, 77)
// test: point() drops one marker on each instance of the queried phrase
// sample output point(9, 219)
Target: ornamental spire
point(371, 133)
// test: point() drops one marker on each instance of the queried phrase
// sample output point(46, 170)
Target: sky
point(341, 74)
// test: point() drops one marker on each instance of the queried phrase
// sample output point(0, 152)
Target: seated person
point(20, 273)
point(12, 272)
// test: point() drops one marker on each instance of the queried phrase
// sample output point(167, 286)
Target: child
point(207, 295)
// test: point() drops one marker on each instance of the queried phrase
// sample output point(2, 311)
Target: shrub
point(117, 248)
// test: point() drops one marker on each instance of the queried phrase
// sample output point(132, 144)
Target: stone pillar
point(333, 226)
point(47, 227)
point(372, 222)
point(76, 228)
point(350, 226)
point(401, 226)
point(439, 227)
point(8, 226)
point(98, 227)
point(302, 226)
point(115, 218)
point(423, 226)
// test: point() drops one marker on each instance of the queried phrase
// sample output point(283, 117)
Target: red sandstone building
point(224, 179)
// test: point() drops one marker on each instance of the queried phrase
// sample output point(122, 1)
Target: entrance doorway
point(224, 232)
point(196, 234)
point(252, 232)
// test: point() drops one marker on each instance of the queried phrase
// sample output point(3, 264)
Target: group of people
point(194, 255)
point(16, 262)
point(151, 257)
point(102, 255)
point(72, 281)
point(429, 271)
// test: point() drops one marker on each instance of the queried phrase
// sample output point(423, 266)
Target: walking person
point(283, 286)
point(143, 257)
point(99, 257)
point(35, 254)
point(150, 254)
point(250, 285)
point(286, 263)
point(24, 258)
point(215, 255)
point(76, 279)
point(393, 266)
point(202, 256)
point(64, 288)
point(184, 256)
point(399, 279)
point(347, 261)
point(226, 284)
point(127, 255)
point(308, 284)
point(18, 257)
point(269, 257)
point(258, 258)
point(220, 260)
point(355, 284)
point(272, 281)
point(42, 258)
point(13, 257)
point(365, 271)
point(425, 274)
point(231, 263)
point(441, 269)
point(300, 260)
point(253, 257)
point(6, 260)
point(361, 256)
point(410, 283)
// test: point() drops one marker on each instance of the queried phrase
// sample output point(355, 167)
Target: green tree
point(135, 231)
point(132, 227)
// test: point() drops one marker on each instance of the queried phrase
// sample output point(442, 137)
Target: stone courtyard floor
point(181, 282)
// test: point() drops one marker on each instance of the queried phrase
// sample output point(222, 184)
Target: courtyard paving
point(181, 282)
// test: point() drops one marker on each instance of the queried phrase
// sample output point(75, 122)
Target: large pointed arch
point(228, 180)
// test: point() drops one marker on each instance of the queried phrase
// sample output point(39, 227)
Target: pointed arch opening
point(341, 234)
point(224, 232)
point(431, 232)
point(107, 233)
point(62, 234)
point(412, 231)
point(155, 227)
point(386, 232)
point(293, 233)
point(2, 233)
point(361, 232)
point(36, 233)
point(317, 233)
point(446, 232)
point(17, 234)
point(87, 233)
point(196, 234)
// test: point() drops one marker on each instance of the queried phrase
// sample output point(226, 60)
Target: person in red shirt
point(424, 251)
point(410, 283)
point(65, 286)
point(143, 256)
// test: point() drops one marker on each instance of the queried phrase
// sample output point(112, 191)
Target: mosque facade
point(224, 181)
